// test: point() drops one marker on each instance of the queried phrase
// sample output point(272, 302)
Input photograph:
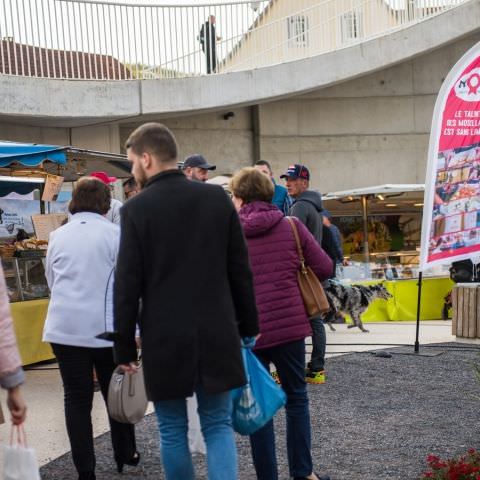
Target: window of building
point(351, 26)
point(297, 31)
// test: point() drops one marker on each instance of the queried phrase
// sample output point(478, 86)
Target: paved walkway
point(375, 419)
point(44, 394)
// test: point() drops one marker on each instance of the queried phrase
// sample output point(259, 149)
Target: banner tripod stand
point(416, 348)
point(419, 299)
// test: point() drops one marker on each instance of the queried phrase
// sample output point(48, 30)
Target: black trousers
point(211, 57)
point(76, 368)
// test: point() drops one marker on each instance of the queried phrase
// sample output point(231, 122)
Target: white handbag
point(127, 398)
point(19, 461)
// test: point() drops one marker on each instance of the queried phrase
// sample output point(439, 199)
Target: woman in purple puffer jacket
point(283, 320)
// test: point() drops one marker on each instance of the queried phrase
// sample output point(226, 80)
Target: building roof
point(27, 60)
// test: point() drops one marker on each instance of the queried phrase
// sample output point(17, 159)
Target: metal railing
point(113, 40)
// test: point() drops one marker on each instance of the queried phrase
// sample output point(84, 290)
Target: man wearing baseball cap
point(307, 204)
point(307, 207)
point(115, 205)
point(196, 168)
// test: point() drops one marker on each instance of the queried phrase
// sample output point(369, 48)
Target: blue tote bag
point(258, 401)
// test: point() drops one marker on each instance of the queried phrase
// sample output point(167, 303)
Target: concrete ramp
point(52, 102)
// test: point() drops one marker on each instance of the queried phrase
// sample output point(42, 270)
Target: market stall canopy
point(222, 180)
point(70, 162)
point(30, 154)
point(81, 162)
point(386, 189)
point(19, 187)
point(382, 200)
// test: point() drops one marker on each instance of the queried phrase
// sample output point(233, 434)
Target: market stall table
point(403, 305)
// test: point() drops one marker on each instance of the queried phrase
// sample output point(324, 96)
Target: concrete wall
point(72, 103)
point(225, 143)
point(27, 133)
point(105, 138)
point(367, 131)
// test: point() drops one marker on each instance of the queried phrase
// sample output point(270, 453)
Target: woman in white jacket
point(80, 262)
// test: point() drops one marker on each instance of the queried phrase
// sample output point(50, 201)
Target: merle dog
point(353, 300)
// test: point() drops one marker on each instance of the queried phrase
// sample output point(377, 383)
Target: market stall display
point(381, 228)
point(33, 202)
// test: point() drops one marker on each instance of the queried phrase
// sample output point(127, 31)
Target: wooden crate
point(466, 310)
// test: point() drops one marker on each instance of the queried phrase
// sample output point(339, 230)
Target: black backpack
point(462, 271)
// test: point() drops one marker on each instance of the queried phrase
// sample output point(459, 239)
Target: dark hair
point(155, 139)
point(130, 182)
point(264, 162)
point(250, 185)
point(90, 195)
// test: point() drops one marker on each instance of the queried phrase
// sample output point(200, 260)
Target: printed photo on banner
point(456, 207)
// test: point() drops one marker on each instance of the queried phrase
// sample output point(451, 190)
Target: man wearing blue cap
point(196, 168)
point(307, 207)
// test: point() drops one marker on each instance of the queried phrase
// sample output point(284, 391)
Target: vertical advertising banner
point(451, 212)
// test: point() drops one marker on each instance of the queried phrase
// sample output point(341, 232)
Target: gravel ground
point(375, 419)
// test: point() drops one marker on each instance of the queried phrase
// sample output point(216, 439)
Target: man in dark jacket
point(208, 40)
point(307, 207)
point(337, 244)
point(280, 195)
point(307, 204)
point(182, 252)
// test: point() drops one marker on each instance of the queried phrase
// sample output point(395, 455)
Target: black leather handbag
point(462, 271)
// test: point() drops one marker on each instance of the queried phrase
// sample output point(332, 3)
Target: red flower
point(432, 458)
point(466, 467)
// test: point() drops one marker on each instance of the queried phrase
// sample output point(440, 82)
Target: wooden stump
point(466, 310)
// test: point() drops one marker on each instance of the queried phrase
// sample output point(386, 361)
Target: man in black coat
point(183, 254)
point(208, 40)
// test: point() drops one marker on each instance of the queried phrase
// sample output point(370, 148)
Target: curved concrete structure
point(76, 102)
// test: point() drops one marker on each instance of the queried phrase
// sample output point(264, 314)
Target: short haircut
point(155, 139)
point(250, 185)
point(264, 162)
point(90, 195)
point(130, 183)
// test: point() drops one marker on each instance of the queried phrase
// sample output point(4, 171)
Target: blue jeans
point(215, 413)
point(319, 343)
point(289, 360)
